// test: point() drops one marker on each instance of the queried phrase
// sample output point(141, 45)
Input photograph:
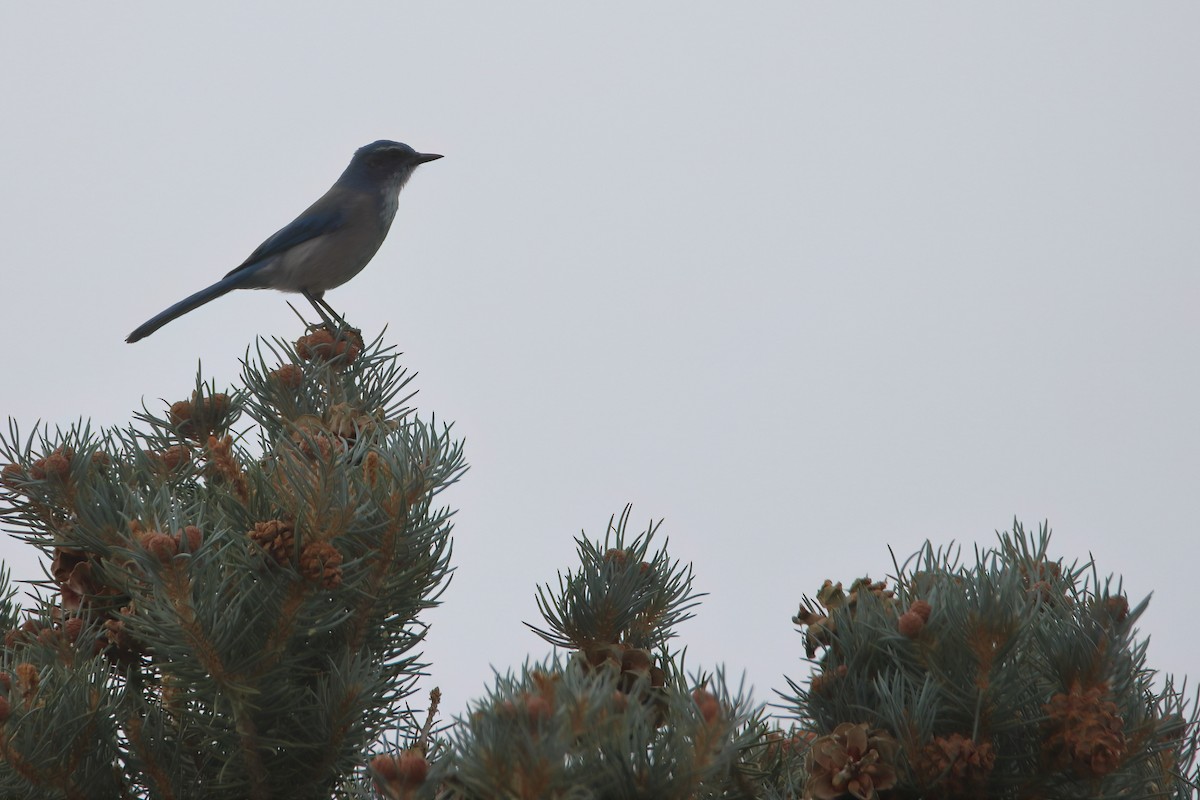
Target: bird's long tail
point(227, 284)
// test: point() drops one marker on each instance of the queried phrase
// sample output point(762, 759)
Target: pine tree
point(1015, 676)
point(232, 610)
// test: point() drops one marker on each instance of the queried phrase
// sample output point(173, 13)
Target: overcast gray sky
point(807, 280)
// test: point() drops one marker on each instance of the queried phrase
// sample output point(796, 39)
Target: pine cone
point(276, 537)
point(117, 635)
point(159, 545)
point(171, 459)
point(922, 609)
point(223, 467)
point(289, 376)
point(188, 540)
point(955, 766)
point(72, 570)
point(201, 417)
point(706, 701)
point(910, 624)
point(1084, 732)
point(374, 468)
point(27, 681)
point(321, 562)
point(312, 438)
point(347, 421)
point(852, 760)
point(398, 776)
point(320, 345)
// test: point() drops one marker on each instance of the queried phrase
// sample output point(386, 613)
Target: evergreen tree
point(232, 610)
point(1017, 676)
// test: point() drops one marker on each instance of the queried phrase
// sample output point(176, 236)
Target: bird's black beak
point(423, 157)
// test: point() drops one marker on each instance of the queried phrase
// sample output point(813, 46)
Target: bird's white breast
point(391, 198)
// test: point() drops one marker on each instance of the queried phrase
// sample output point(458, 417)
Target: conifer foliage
point(615, 716)
point(1015, 676)
point(232, 608)
point(233, 603)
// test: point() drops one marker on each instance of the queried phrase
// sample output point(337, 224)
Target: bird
point(328, 244)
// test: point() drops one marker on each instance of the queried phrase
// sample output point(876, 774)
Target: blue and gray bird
point(325, 246)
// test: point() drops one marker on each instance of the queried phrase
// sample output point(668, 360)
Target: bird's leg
point(333, 313)
point(342, 324)
point(317, 303)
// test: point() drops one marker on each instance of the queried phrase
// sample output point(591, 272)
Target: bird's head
point(384, 164)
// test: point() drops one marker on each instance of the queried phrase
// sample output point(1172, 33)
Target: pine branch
point(241, 604)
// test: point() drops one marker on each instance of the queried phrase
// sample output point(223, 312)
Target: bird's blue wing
point(308, 225)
